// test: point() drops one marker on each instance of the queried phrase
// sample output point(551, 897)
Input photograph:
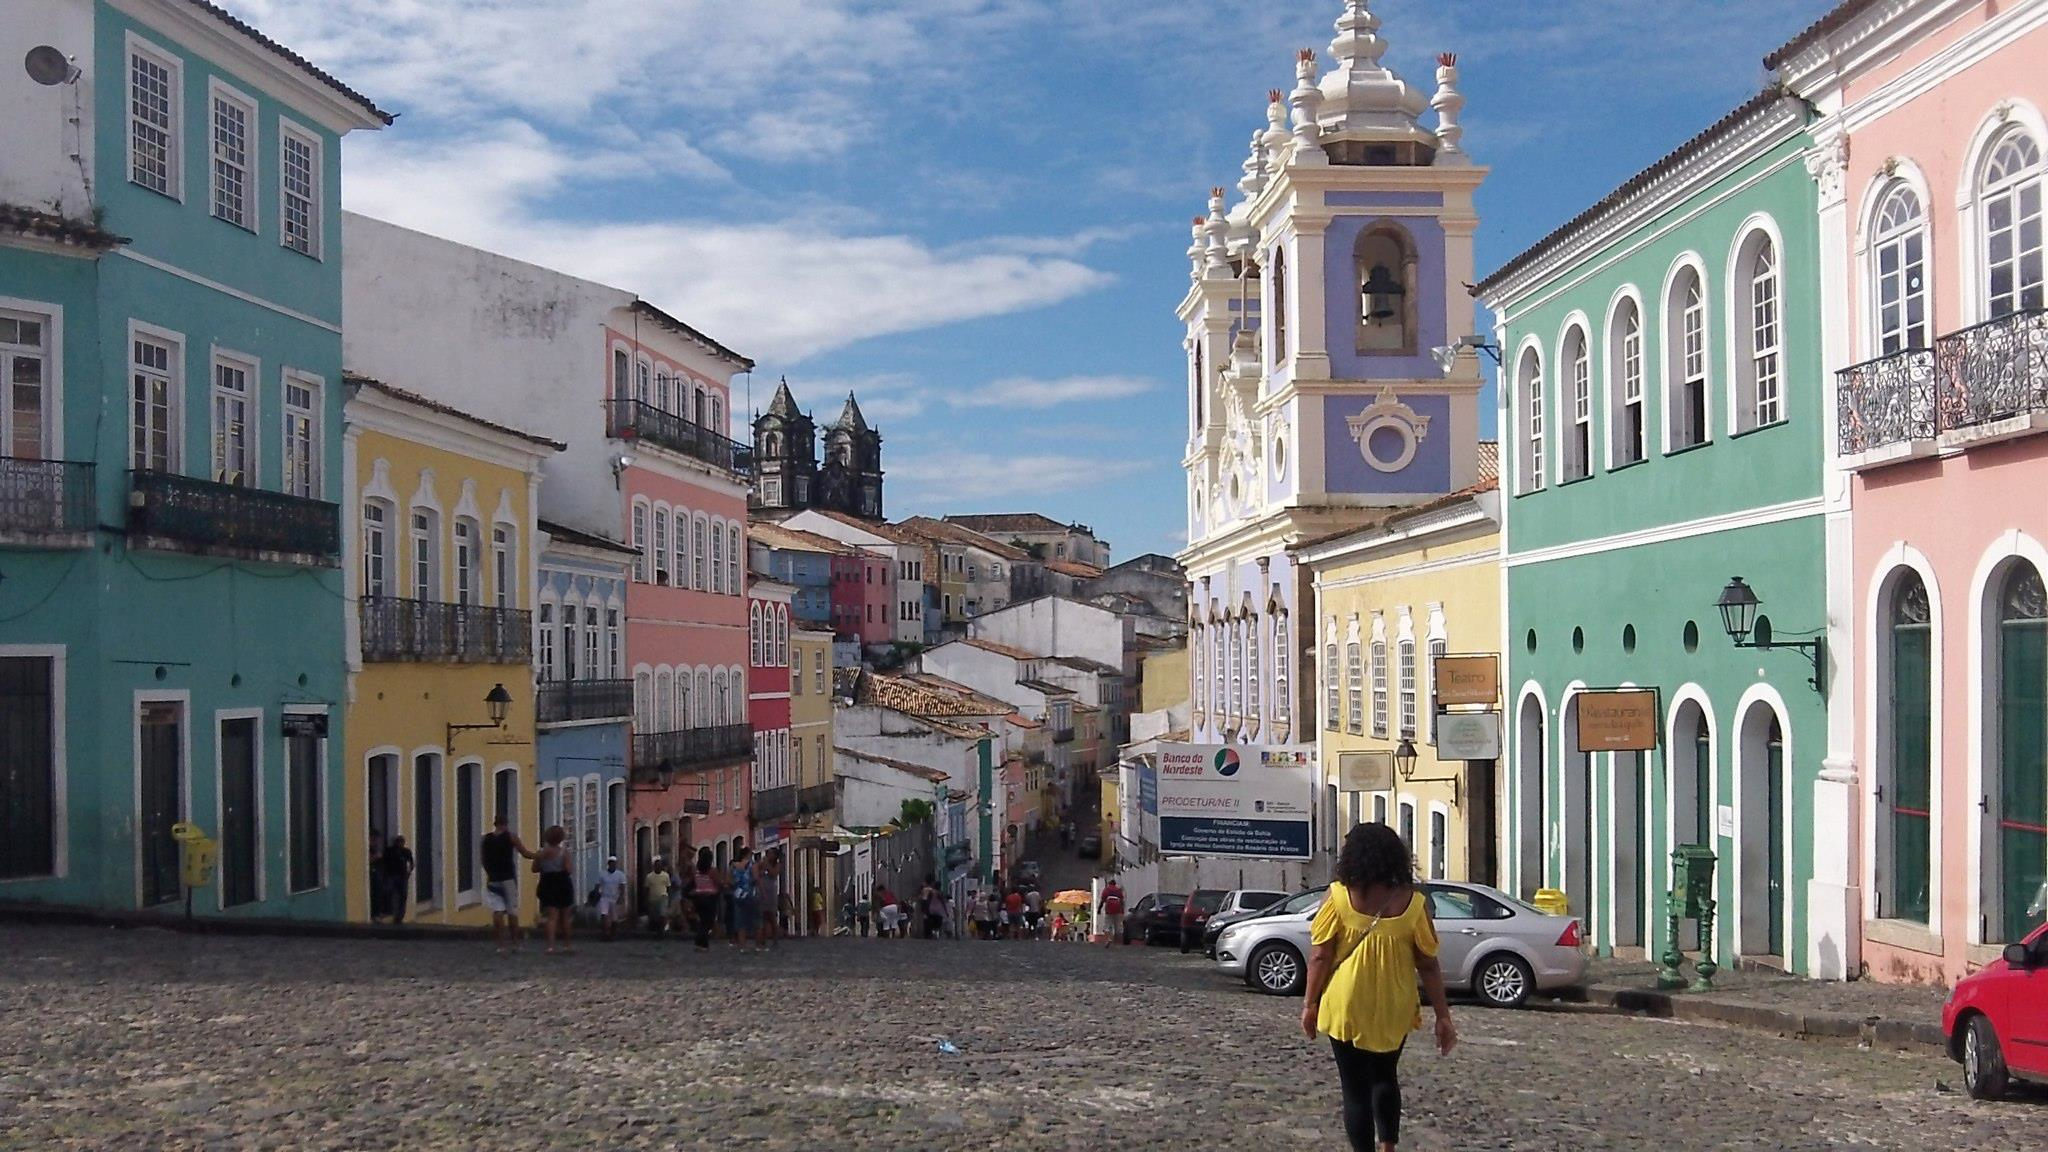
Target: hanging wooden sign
point(1464, 680)
point(1617, 720)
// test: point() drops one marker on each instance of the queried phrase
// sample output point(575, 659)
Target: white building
point(905, 552)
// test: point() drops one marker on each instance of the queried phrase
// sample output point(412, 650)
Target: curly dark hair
point(1374, 854)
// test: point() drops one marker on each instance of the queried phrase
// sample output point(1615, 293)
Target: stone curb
point(235, 926)
point(1766, 1018)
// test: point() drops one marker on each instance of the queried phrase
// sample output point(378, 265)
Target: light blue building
point(170, 542)
point(584, 701)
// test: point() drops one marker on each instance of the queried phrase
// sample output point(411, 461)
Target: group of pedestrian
point(743, 902)
point(1018, 914)
point(928, 913)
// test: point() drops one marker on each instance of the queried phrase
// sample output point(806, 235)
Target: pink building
point(681, 480)
point(1929, 159)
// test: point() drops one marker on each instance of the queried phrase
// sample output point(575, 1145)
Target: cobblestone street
point(149, 1039)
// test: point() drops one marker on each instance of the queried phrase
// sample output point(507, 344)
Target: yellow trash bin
point(1552, 902)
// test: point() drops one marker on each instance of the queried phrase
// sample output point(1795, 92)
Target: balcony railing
point(46, 498)
point(1885, 401)
point(639, 420)
point(818, 797)
point(562, 701)
point(1063, 736)
point(433, 631)
point(771, 804)
point(1983, 374)
point(188, 514)
point(692, 748)
point(1992, 371)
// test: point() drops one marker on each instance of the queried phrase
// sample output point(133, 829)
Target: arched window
point(1251, 669)
point(1383, 260)
point(640, 541)
point(679, 549)
point(701, 716)
point(1578, 367)
point(1219, 664)
point(781, 637)
point(380, 555)
point(1899, 267)
point(1437, 649)
point(661, 554)
point(733, 583)
point(664, 701)
point(1529, 378)
point(1405, 668)
point(1685, 342)
point(1280, 350)
point(2020, 797)
point(643, 373)
point(1354, 688)
point(686, 701)
point(1759, 399)
point(1282, 709)
point(1626, 424)
point(664, 392)
point(643, 701)
point(1197, 650)
point(468, 563)
point(1332, 681)
point(754, 634)
point(2011, 207)
point(720, 698)
point(426, 554)
point(1379, 687)
point(504, 573)
point(718, 556)
point(622, 375)
point(1907, 777)
point(697, 556)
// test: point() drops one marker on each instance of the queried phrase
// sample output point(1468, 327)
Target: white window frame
point(220, 804)
point(1756, 336)
point(174, 151)
point(218, 93)
point(1378, 675)
point(1767, 335)
point(615, 651)
point(593, 642)
point(312, 415)
point(60, 818)
point(174, 434)
point(1355, 687)
point(544, 656)
point(1897, 239)
point(316, 209)
point(380, 580)
point(1688, 354)
point(218, 398)
point(2009, 188)
point(1575, 383)
point(468, 560)
point(641, 511)
point(663, 524)
point(425, 545)
point(1405, 669)
point(325, 866)
point(1529, 390)
point(504, 568)
point(1627, 407)
point(51, 352)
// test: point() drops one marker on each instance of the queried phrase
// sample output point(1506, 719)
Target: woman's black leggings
point(1372, 1094)
point(705, 904)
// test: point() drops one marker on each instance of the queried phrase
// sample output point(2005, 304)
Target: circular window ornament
point(1280, 452)
point(1388, 432)
point(1236, 490)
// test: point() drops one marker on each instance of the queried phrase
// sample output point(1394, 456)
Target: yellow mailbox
point(198, 852)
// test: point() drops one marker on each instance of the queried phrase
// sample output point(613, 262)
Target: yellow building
point(1421, 583)
point(1163, 679)
point(814, 867)
point(439, 574)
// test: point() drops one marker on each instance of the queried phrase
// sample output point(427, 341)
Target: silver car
point(1493, 945)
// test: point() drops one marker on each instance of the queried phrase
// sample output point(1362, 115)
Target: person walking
point(1370, 945)
point(744, 884)
point(1034, 913)
point(885, 912)
point(703, 892)
point(397, 878)
point(863, 912)
point(611, 896)
point(817, 911)
point(1013, 915)
point(377, 911)
point(773, 908)
point(501, 851)
point(1112, 917)
point(656, 895)
point(556, 887)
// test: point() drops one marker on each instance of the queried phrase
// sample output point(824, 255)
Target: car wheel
point(1503, 981)
point(1127, 937)
point(1276, 970)
point(1984, 1074)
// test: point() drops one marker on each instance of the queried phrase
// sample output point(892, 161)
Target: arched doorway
point(1575, 776)
point(1689, 783)
point(1628, 846)
point(1761, 881)
point(2016, 849)
point(1530, 824)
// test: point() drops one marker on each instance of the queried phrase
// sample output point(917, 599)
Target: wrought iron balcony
point(772, 804)
point(1992, 371)
point(1888, 400)
point(688, 749)
point(1063, 736)
point(564, 701)
point(818, 798)
point(186, 514)
point(639, 420)
point(46, 501)
point(395, 629)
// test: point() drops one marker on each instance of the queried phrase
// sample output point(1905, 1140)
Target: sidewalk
point(1900, 1015)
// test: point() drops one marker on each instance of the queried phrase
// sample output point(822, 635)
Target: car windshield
point(1520, 907)
point(1209, 899)
point(1259, 900)
point(1306, 902)
point(1169, 900)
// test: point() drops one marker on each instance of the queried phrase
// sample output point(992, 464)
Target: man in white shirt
point(611, 895)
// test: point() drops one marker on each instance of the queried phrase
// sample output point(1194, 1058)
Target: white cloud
point(1026, 392)
point(944, 479)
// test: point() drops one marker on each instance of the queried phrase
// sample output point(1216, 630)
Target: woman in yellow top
point(1370, 943)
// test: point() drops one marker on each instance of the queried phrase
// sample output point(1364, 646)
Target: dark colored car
point(1154, 919)
point(1996, 1020)
point(1195, 914)
point(1091, 846)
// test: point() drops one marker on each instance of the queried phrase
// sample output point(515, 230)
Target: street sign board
point(1617, 720)
point(1365, 771)
point(1471, 679)
point(1468, 735)
point(313, 724)
point(1239, 801)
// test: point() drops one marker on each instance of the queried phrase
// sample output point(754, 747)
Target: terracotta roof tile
point(961, 534)
point(1073, 568)
point(1011, 522)
point(1046, 687)
point(361, 381)
point(1012, 652)
point(249, 30)
point(684, 330)
point(796, 540)
point(1834, 18)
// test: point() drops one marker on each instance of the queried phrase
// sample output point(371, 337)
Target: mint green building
point(1663, 399)
point(170, 593)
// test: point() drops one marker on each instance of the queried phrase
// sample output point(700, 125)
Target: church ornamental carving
point(1388, 432)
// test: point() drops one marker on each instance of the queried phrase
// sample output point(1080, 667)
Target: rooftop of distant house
point(1031, 522)
point(1073, 568)
point(305, 65)
point(1010, 650)
point(951, 533)
point(563, 534)
point(361, 381)
point(796, 540)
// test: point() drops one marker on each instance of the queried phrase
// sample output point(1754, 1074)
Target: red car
point(1996, 1020)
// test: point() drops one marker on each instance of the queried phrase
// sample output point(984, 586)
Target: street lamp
point(1738, 606)
point(497, 702)
point(1446, 355)
point(1405, 757)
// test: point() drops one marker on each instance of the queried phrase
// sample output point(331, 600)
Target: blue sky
point(973, 212)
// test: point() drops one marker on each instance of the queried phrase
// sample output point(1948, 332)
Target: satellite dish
point(49, 67)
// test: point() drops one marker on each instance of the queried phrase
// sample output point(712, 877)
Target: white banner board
point(1236, 800)
point(1468, 736)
